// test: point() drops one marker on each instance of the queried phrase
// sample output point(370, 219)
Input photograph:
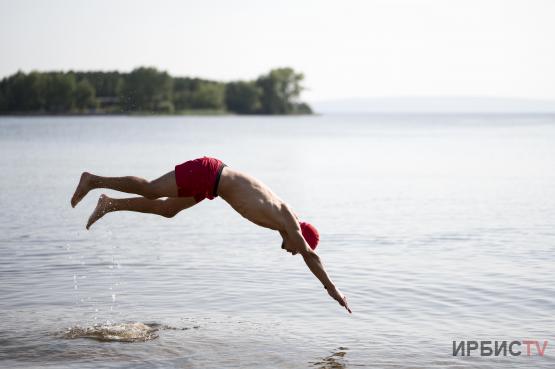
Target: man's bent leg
point(164, 186)
point(167, 207)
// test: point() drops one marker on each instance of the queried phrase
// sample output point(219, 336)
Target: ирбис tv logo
point(499, 348)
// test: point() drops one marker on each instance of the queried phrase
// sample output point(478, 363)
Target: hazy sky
point(345, 48)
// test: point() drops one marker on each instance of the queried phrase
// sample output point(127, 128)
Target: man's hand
point(339, 297)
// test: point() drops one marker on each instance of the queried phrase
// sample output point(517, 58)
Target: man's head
point(310, 234)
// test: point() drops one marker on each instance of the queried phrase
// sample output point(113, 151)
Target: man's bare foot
point(82, 188)
point(102, 207)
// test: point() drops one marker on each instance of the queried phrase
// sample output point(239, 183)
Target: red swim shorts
point(199, 178)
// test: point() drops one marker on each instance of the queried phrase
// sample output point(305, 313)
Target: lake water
point(437, 228)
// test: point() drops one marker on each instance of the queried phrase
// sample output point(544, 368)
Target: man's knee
point(168, 210)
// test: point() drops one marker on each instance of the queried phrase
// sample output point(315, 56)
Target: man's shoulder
point(291, 219)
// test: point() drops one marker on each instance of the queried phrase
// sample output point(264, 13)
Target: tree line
point(148, 90)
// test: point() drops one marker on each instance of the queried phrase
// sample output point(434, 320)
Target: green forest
point(146, 90)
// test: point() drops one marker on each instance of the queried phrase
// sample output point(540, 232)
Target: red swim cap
point(310, 234)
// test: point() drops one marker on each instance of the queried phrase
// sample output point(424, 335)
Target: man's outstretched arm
point(315, 265)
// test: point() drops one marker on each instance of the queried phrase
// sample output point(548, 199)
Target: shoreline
point(313, 114)
point(195, 113)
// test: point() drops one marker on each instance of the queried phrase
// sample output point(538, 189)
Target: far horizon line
point(449, 104)
point(430, 96)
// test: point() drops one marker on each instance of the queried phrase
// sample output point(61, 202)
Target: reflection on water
point(333, 361)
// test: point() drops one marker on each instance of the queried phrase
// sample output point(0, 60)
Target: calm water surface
point(437, 228)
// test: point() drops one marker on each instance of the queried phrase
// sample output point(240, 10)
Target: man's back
point(253, 199)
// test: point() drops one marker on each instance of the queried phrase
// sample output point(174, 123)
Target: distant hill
point(434, 105)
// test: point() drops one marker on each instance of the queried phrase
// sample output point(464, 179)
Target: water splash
point(120, 332)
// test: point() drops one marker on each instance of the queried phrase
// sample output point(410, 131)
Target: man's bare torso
point(253, 200)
